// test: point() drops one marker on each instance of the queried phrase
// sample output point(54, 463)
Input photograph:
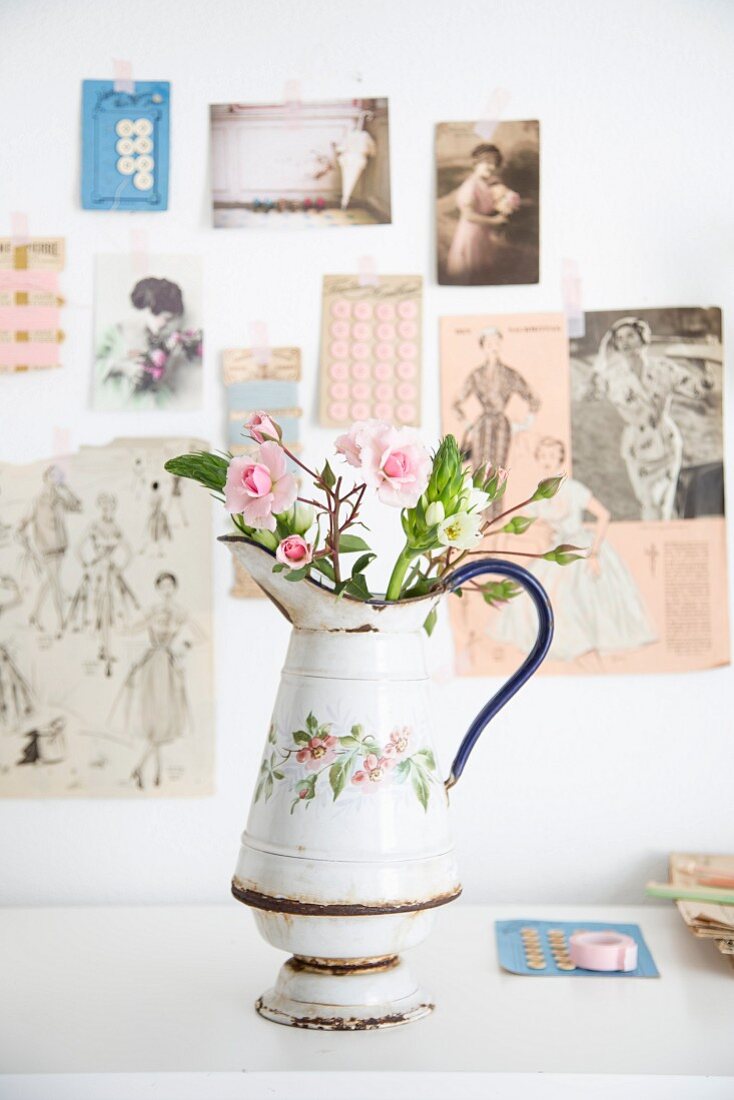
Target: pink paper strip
point(124, 77)
point(29, 355)
point(492, 115)
point(260, 344)
point(19, 228)
point(571, 292)
point(30, 280)
point(29, 318)
point(367, 266)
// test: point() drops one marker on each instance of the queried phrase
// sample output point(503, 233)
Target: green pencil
point(690, 893)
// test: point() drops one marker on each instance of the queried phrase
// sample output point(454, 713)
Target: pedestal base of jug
point(344, 995)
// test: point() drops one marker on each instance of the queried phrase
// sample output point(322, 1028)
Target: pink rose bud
point(158, 357)
point(294, 552)
point(262, 427)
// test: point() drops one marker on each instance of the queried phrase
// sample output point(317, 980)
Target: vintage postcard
point(635, 423)
point(105, 626)
point(301, 164)
point(148, 334)
point(488, 203)
point(30, 303)
point(125, 145)
point(371, 349)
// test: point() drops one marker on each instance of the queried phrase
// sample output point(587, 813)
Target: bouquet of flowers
point(506, 201)
point(447, 508)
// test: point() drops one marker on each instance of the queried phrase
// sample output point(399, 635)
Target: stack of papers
point(707, 920)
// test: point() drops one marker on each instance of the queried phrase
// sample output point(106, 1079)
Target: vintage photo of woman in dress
point(654, 396)
point(487, 204)
point(597, 603)
point(154, 696)
point(487, 438)
point(149, 338)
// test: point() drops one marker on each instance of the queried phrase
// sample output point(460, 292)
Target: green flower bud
point(548, 487)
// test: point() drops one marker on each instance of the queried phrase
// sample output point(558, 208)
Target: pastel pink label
point(406, 369)
point(383, 370)
point(406, 391)
point(384, 352)
point(386, 331)
point(361, 390)
point(339, 390)
point(340, 308)
point(383, 391)
point(339, 329)
point(360, 351)
point(360, 370)
point(339, 369)
point(360, 410)
point(363, 310)
point(407, 310)
point(383, 411)
point(407, 350)
point(338, 411)
point(340, 349)
point(407, 330)
point(385, 311)
point(406, 414)
point(361, 330)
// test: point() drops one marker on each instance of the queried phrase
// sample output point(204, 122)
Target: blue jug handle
point(535, 658)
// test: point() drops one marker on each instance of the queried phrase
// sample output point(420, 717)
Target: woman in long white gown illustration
point(155, 698)
point(597, 604)
point(352, 153)
point(641, 386)
point(103, 599)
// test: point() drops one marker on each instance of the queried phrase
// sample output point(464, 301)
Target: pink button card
point(30, 302)
point(376, 330)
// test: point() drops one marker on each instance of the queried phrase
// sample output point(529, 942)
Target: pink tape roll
point(606, 950)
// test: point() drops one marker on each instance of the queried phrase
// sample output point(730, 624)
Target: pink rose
point(393, 460)
point(294, 551)
point(260, 488)
point(397, 746)
point(319, 752)
point(374, 770)
point(262, 428)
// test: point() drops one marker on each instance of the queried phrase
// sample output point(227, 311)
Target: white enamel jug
point(347, 850)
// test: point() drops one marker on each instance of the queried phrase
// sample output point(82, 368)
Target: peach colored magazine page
point(633, 416)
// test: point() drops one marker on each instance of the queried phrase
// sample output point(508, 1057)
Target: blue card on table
point(125, 146)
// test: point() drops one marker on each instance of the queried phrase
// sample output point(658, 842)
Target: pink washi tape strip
point(571, 292)
point(603, 950)
point(61, 447)
point(19, 228)
point(492, 115)
point(30, 280)
point(123, 81)
point(292, 100)
point(29, 318)
point(139, 251)
point(30, 354)
point(261, 351)
point(367, 267)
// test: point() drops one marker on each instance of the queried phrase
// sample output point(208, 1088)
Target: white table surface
point(123, 1002)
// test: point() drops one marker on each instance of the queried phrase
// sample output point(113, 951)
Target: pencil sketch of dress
point(154, 693)
point(487, 439)
point(641, 387)
point(597, 609)
point(352, 153)
point(104, 598)
point(44, 536)
point(158, 527)
point(16, 697)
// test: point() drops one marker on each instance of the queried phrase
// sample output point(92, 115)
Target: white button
point(144, 164)
point(126, 166)
point(124, 127)
point(143, 181)
point(125, 147)
point(143, 145)
point(143, 127)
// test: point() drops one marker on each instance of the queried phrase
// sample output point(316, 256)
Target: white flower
point(301, 518)
point(435, 513)
point(461, 530)
point(478, 500)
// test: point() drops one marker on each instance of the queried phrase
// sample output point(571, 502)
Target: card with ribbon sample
point(30, 303)
point(125, 135)
point(370, 349)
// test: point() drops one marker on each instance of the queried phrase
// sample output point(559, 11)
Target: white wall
point(583, 785)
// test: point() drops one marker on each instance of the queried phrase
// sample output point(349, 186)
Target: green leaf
point(297, 574)
point(325, 567)
point(518, 525)
point(209, 470)
point(427, 755)
point(301, 737)
point(328, 476)
point(361, 563)
point(357, 587)
point(420, 786)
point(497, 592)
point(337, 778)
point(401, 770)
point(350, 742)
point(350, 544)
point(430, 621)
point(278, 567)
point(278, 775)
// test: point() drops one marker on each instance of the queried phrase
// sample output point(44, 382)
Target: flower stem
point(395, 584)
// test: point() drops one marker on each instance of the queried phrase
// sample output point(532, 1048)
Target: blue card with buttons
point(125, 146)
